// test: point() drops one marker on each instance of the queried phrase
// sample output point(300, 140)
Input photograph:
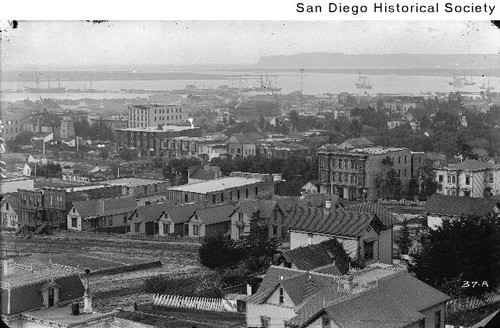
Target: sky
point(128, 43)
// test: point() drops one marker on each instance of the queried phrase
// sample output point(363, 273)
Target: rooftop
point(215, 185)
point(62, 317)
point(132, 182)
point(459, 205)
point(164, 128)
point(20, 274)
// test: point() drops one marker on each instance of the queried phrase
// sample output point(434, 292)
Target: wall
point(12, 185)
point(429, 315)
point(218, 228)
point(9, 218)
point(275, 297)
point(278, 314)
point(385, 246)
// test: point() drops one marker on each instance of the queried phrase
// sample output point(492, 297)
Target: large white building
point(146, 115)
point(470, 178)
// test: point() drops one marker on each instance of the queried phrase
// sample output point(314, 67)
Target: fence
point(196, 303)
point(471, 302)
point(133, 236)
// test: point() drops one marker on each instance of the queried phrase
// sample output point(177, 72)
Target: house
point(363, 235)
point(9, 207)
point(470, 178)
point(439, 208)
point(28, 287)
point(97, 214)
point(145, 220)
point(176, 219)
point(377, 296)
point(268, 212)
point(210, 221)
point(243, 144)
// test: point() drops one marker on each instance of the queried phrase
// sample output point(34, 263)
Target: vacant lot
point(98, 253)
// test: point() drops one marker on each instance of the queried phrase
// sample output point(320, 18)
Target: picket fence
point(471, 302)
point(196, 303)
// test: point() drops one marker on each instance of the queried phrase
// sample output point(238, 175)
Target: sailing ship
point(457, 81)
point(263, 87)
point(49, 89)
point(486, 87)
point(363, 82)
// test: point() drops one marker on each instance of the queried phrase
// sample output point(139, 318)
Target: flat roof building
point(154, 114)
point(219, 191)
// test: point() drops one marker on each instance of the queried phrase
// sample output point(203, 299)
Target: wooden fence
point(404, 202)
point(472, 302)
point(196, 303)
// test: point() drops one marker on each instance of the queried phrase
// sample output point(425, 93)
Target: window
point(282, 296)
point(230, 195)
point(74, 222)
point(265, 322)
point(124, 218)
point(256, 191)
point(368, 250)
point(222, 197)
point(399, 159)
point(437, 319)
point(6, 206)
point(196, 230)
point(490, 177)
point(275, 230)
point(467, 180)
point(238, 194)
point(186, 198)
point(110, 221)
point(137, 227)
point(246, 193)
point(440, 178)
point(214, 198)
point(165, 228)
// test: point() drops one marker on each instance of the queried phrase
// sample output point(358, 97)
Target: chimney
point(328, 204)
point(87, 299)
point(7, 267)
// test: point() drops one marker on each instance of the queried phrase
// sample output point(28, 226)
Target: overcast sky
point(76, 43)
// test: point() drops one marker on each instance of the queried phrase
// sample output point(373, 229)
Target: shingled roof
point(332, 222)
point(149, 213)
point(299, 285)
point(264, 207)
point(101, 207)
point(458, 205)
point(395, 302)
point(387, 218)
point(311, 257)
point(182, 213)
point(215, 214)
point(472, 165)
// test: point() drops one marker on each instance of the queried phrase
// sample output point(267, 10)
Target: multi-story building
point(243, 144)
point(10, 125)
point(470, 178)
point(153, 141)
point(141, 116)
point(67, 129)
point(113, 122)
point(351, 173)
point(220, 191)
point(50, 205)
point(255, 107)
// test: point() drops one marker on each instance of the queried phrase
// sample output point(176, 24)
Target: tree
point(293, 116)
point(129, 154)
point(259, 248)
point(104, 153)
point(464, 251)
point(220, 253)
point(403, 241)
point(355, 128)
point(427, 177)
point(176, 169)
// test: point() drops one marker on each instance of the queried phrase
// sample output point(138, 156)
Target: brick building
point(153, 141)
point(142, 116)
point(350, 173)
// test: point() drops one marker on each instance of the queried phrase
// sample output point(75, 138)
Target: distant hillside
point(337, 60)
